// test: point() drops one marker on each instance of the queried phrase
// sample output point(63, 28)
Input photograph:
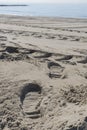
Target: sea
point(47, 10)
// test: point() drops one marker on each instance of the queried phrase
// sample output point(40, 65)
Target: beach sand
point(43, 73)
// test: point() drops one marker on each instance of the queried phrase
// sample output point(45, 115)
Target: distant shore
point(13, 5)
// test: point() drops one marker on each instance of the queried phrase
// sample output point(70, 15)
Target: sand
point(43, 73)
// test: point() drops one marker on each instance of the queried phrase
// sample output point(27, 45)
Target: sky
point(50, 1)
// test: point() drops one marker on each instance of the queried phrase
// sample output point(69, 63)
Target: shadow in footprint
point(29, 88)
point(51, 64)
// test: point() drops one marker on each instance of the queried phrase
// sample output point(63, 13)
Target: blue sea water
point(51, 10)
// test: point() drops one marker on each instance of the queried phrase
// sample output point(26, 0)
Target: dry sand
point(43, 73)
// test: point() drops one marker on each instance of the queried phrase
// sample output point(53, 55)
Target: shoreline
point(49, 17)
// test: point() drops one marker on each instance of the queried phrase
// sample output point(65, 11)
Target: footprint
point(26, 51)
point(75, 39)
point(2, 45)
point(3, 38)
point(64, 38)
point(84, 61)
point(5, 56)
point(11, 53)
point(11, 49)
point(30, 99)
point(67, 57)
point(55, 70)
point(40, 54)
